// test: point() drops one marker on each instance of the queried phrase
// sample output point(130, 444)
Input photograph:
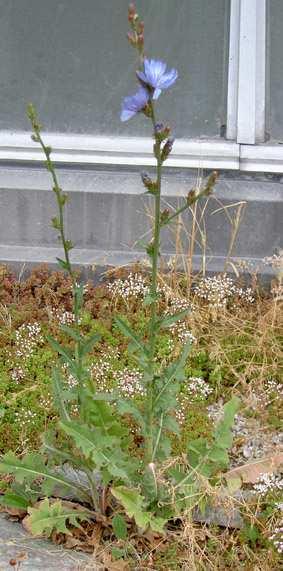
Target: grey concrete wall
point(108, 214)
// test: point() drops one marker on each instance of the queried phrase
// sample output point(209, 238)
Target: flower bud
point(158, 127)
point(191, 197)
point(211, 182)
point(161, 131)
point(140, 40)
point(140, 27)
point(132, 12)
point(132, 38)
point(148, 183)
point(167, 149)
point(164, 215)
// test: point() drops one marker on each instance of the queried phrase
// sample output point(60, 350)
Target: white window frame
point(244, 148)
point(247, 78)
point(247, 72)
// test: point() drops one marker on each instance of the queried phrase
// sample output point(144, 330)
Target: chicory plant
point(145, 480)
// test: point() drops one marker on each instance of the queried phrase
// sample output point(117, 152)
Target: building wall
point(71, 59)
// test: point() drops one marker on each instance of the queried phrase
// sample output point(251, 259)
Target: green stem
point(206, 191)
point(61, 199)
point(60, 203)
point(149, 451)
point(93, 489)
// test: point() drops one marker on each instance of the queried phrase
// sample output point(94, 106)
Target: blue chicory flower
point(156, 76)
point(132, 104)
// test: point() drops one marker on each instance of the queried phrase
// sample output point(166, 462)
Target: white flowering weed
point(28, 337)
point(71, 381)
point(275, 261)
point(102, 370)
point(179, 329)
point(46, 401)
point(273, 389)
point(196, 389)
point(277, 538)
point(218, 291)
point(134, 286)
point(25, 417)
point(183, 334)
point(268, 483)
point(178, 304)
point(18, 374)
point(129, 382)
point(61, 316)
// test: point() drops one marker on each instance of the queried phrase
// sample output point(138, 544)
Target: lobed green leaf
point(47, 517)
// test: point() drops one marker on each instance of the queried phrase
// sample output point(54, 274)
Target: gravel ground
point(251, 440)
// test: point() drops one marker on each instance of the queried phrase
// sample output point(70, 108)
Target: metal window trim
point(246, 100)
point(89, 151)
point(131, 151)
point(233, 70)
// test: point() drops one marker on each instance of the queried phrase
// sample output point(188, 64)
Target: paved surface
point(39, 554)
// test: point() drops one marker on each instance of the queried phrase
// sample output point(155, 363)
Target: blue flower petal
point(132, 104)
point(154, 69)
point(142, 76)
point(168, 79)
point(156, 77)
point(126, 114)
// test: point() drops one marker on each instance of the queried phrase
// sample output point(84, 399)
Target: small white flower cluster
point(277, 539)
point(170, 344)
point(179, 329)
point(198, 388)
point(25, 417)
point(275, 261)
point(133, 287)
point(70, 379)
point(77, 284)
point(129, 382)
point(18, 374)
point(183, 401)
point(28, 337)
point(101, 370)
point(267, 483)
point(75, 409)
point(45, 402)
point(184, 335)
point(178, 304)
point(219, 290)
point(277, 291)
point(62, 317)
point(273, 389)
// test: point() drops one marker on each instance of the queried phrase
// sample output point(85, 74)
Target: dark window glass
point(71, 58)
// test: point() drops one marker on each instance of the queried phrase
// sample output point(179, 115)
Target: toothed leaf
point(47, 517)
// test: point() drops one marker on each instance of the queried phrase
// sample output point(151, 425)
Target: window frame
point(243, 149)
